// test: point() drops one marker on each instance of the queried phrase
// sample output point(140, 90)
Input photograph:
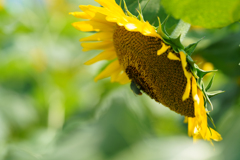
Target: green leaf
point(205, 13)
point(214, 93)
point(189, 49)
point(210, 83)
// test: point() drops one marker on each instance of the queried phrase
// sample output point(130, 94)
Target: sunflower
point(145, 55)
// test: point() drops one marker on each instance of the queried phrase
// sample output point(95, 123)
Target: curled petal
point(163, 49)
point(173, 56)
point(187, 74)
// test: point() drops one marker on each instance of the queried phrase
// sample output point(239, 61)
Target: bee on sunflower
point(156, 63)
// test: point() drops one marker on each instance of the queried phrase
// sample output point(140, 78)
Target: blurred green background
point(51, 109)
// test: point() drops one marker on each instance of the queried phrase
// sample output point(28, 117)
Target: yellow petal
point(119, 20)
point(115, 75)
point(201, 109)
point(101, 36)
point(109, 54)
point(133, 24)
point(111, 5)
point(87, 10)
point(97, 45)
point(92, 26)
point(108, 71)
point(163, 49)
point(187, 74)
point(173, 56)
point(123, 78)
point(201, 125)
point(120, 76)
point(115, 14)
point(191, 126)
point(108, 13)
point(185, 119)
point(148, 30)
point(215, 135)
point(195, 93)
point(80, 15)
point(187, 90)
point(131, 27)
point(99, 17)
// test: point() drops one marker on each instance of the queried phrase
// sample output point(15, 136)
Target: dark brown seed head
point(159, 77)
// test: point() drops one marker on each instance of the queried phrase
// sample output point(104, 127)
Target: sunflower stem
point(181, 29)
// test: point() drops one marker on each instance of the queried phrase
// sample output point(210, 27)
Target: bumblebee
point(135, 88)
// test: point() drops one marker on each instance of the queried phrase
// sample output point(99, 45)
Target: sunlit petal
point(97, 45)
point(105, 55)
point(100, 36)
point(108, 71)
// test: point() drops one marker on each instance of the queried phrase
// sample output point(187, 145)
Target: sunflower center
point(159, 77)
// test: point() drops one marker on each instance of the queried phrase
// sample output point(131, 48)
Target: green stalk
point(181, 29)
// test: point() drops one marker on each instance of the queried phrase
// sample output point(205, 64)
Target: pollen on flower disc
point(158, 76)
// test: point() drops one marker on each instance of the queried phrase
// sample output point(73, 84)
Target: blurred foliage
point(51, 108)
point(205, 13)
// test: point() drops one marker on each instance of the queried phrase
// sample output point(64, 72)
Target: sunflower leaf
point(189, 49)
point(210, 83)
point(214, 93)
